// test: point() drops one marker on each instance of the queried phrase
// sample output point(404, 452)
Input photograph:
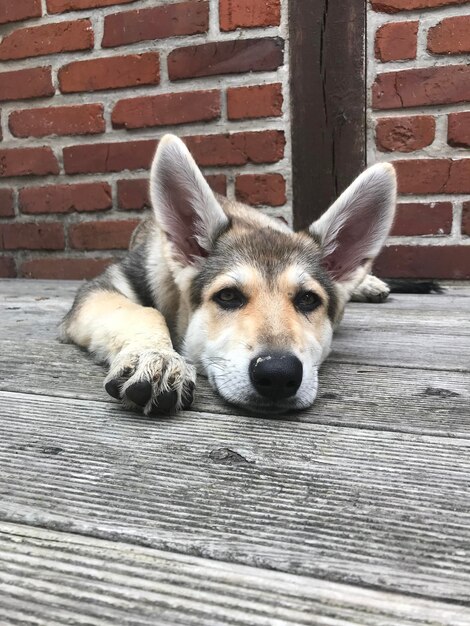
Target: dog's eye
point(229, 298)
point(307, 301)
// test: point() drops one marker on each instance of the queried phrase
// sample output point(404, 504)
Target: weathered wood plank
point(387, 348)
point(33, 289)
point(375, 508)
point(407, 400)
point(389, 342)
point(454, 298)
point(25, 301)
point(359, 318)
point(51, 577)
point(390, 348)
point(385, 509)
point(328, 135)
point(370, 395)
point(406, 321)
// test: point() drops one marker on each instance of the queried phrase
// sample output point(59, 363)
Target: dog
point(212, 286)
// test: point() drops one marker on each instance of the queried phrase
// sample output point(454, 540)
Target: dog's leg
point(370, 289)
point(145, 371)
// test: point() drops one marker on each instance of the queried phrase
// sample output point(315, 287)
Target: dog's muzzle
point(277, 375)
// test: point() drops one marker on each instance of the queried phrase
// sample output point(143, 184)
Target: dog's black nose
point(277, 375)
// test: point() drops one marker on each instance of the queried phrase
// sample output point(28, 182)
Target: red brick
point(396, 41)
point(86, 119)
point(110, 73)
point(424, 262)
point(109, 157)
point(25, 84)
point(167, 109)
point(134, 194)
point(226, 57)
point(458, 132)
point(218, 183)
point(433, 176)
point(249, 13)
point(422, 175)
point(28, 162)
point(32, 236)
point(64, 268)
point(66, 198)
point(415, 218)
point(47, 39)
point(62, 6)
point(102, 235)
point(238, 148)
point(254, 102)
point(425, 86)
point(6, 203)
point(259, 189)
point(394, 6)
point(405, 134)
point(451, 36)
point(208, 150)
point(14, 11)
point(7, 267)
point(169, 20)
point(466, 219)
point(459, 177)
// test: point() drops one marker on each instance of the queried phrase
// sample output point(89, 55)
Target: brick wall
point(86, 89)
point(419, 118)
point(88, 86)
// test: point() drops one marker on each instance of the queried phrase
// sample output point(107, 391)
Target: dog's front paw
point(372, 289)
point(156, 381)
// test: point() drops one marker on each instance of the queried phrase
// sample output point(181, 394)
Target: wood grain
point(402, 399)
point(354, 512)
point(51, 577)
point(385, 509)
point(358, 385)
point(327, 102)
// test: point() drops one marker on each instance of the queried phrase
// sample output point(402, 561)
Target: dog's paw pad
point(164, 403)
point(139, 392)
point(372, 289)
point(156, 382)
point(381, 296)
point(187, 396)
point(113, 387)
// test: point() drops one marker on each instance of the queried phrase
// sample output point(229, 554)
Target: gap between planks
point(51, 576)
point(307, 500)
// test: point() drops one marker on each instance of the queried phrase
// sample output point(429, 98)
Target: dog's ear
point(355, 227)
point(184, 205)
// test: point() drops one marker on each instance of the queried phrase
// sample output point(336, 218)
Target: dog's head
point(262, 301)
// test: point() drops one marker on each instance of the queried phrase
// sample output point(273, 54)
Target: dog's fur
point(213, 286)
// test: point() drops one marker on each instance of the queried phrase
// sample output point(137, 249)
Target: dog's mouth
point(247, 398)
point(261, 409)
point(259, 406)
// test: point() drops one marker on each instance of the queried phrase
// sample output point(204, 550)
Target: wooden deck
point(356, 512)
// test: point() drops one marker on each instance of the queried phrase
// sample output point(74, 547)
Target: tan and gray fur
point(212, 286)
